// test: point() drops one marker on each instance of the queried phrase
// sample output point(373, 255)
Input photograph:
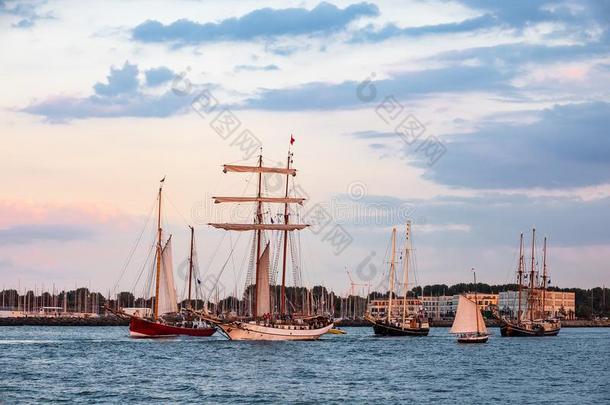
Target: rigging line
point(177, 210)
point(232, 258)
point(223, 267)
point(146, 259)
point(209, 266)
point(241, 267)
point(133, 250)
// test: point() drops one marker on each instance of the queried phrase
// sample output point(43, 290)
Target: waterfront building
point(437, 307)
point(445, 306)
point(486, 302)
point(379, 307)
point(557, 304)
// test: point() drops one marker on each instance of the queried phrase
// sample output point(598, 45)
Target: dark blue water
point(103, 365)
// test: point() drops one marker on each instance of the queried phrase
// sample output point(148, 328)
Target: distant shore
point(576, 323)
point(114, 321)
point(63, 321)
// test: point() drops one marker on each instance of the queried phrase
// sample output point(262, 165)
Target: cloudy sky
point(475, 121)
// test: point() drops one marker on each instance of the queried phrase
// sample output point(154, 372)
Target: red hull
point(139, 327)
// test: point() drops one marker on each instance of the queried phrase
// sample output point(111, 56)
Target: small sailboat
point(398, 321)
point(535, 322)
point(469, 324)
point(263, 322)
point(166, 320)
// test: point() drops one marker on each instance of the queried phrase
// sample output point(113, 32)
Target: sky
point(474, 120)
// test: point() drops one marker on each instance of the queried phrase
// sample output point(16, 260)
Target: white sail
point(262, 227)
point(167, 299)
point(466, 318)
point(258, 169)
point(282, 200)
point(263, 305)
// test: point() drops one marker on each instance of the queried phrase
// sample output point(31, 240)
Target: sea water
point(104, 365)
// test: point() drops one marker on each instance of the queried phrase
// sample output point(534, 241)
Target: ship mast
point(283, 292)
point(532, 274)
point(520, 277)
point(259, 220)
point(406, 272)
point(476, 300)
point(159, 249)
point(262, 293)
point(191, 265)
point(392, 274)
point(544, 279)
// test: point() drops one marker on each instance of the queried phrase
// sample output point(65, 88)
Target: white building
point(445, 306)
point(440, 307)
point(557, 303)
point(379, 308)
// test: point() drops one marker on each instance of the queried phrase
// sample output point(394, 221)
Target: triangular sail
point(263, 305)
point(167, 299)
point(466, 318)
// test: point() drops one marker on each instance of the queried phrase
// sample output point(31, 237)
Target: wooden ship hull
point(382, 328)
point(143, 328)
point(255, 331)
point(510, 329)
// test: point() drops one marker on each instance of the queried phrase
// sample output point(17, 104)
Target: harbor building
point(378, 308)
point(445, 306)
point(557, 304)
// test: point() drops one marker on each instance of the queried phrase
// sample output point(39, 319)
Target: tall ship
point(469, 325)
point(397, 320)
point(164, 318)
point(531, 317)
point(263, 320)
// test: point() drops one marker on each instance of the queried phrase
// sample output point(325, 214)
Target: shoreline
point(63, 321)
point(114, 321)
point(490, 323)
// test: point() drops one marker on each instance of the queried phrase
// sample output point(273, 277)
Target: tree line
point(590, 303)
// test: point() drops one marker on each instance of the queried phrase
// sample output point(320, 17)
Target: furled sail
point(283, 200)
point(256, 227)
point(466, 318)
point(262, 285)
point(167, 300)
point(258, 169)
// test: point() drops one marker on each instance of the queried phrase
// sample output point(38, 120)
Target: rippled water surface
point(102, 364)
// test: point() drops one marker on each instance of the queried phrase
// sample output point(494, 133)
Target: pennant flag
point(198, 281)
point(291, 139)
point(163, 179)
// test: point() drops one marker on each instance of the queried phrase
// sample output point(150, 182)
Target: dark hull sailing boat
point(383, 328)
point(469, 324)
point(535, 322)
point(264, 324)
point(403, 323)
point(165, 301)
point(536, 329)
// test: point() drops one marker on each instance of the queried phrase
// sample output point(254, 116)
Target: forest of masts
point(316, 301)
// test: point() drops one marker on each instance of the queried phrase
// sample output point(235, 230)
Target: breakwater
point(63, 321)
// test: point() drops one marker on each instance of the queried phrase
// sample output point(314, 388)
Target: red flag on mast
point(291, 139)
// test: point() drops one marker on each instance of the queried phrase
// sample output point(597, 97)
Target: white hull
point(252, 331)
